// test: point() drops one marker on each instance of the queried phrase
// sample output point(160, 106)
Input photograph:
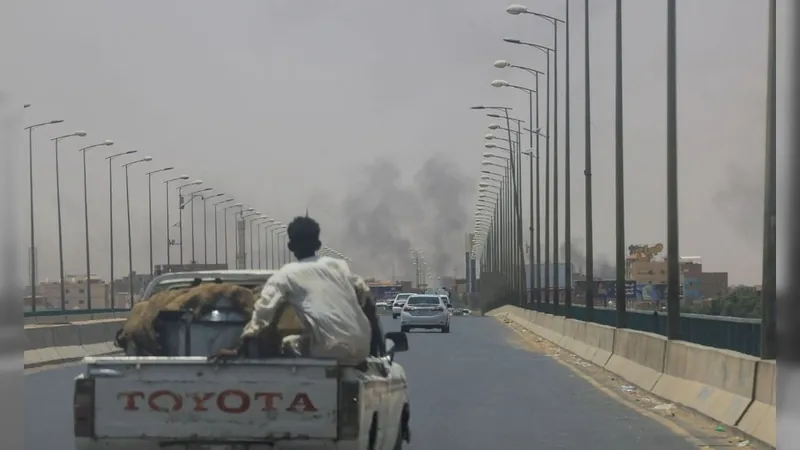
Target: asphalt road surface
point(472, 389)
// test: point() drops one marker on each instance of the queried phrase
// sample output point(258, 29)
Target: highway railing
point(729, 333)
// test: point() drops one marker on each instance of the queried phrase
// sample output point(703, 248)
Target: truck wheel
point(394, 316)
point(405, 329)
point(446, 329)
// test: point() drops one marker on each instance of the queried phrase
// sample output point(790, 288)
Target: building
point(48, 294)
point(647, 272)
point(700, 285)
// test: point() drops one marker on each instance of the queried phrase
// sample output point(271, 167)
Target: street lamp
point(205, 224)
point(225, 219)
point(258, 222)
point(249, 223)
point(216, 232)
point(150, 209)
point(130, 230)
point(180, 212)
point(86, 220)
point(111, 221)
point(166, 187)
point(273, 255)
point(58, 207)
point(30, 129)
point(192, 196)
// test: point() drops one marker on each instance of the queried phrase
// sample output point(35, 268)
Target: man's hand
point(224, 355)
point(228, 354)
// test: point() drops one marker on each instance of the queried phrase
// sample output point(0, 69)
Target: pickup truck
point(180, 402)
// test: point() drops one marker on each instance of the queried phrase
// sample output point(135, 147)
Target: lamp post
point(216, 232)
point(130, 230)
point(181, 205)
point(225, 218)
point(673, 246)
point(111, 286)
point(150, 209)
point(192, 196)
point(86, 221)
point(263, 220)
point(272, 228)
point(56, 140)
point(30, 129)
point(166, 187)
point(547, 272)
point(587, 170)
point(517, 10)
point(205, 224)
point(251, 215)
point(516, 238)
point(284, 250)
point(535, 279)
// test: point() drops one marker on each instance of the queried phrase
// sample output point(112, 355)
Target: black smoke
point(603, 267)
point(386, 215)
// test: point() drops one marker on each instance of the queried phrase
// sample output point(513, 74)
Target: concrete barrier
point(733, 388)
point(602, 338)
point(760, 419)
point(638, 357)
point(717, 383)
point(62, 343)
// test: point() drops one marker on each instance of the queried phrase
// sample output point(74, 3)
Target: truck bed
point(188, 399)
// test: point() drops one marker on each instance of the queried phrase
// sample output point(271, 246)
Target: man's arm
point(272, 296)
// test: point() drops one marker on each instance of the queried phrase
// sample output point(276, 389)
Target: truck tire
point(405, 329)
point(446, 329)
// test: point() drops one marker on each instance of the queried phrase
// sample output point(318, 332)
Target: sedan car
point(397, 305)
point(425, 311)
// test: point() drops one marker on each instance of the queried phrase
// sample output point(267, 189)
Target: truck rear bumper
point(145, 444)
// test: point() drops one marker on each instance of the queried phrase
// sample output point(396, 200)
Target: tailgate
point(187, 398)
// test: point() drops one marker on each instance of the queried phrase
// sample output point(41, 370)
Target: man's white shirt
point(327, 298)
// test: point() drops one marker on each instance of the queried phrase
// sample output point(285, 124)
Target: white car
point(447, 303)
point(399, 302)
point(425, 311)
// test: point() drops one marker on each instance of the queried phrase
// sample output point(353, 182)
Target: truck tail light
point(438, 309)
point(349, 410)
point(83, 407)
point(408, 308)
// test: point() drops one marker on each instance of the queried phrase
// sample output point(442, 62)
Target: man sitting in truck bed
point(323, 293)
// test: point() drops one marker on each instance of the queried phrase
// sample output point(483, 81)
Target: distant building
point(48, 294)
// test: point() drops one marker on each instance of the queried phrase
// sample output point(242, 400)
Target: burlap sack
point(138, 329)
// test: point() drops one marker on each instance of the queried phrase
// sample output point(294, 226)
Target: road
point(473, 389)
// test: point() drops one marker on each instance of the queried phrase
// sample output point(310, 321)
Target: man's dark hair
point(303, 235)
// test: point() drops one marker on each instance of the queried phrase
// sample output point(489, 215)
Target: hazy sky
point(285, 105)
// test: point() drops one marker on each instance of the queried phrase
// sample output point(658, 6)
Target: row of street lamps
point(274, 230)
point(498, 239)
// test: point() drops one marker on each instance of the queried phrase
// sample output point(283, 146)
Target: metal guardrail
point(73, 312)
point(730, 333)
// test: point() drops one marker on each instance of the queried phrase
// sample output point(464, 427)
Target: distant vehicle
point(447, 304)
point(381, 304)
point(399, 302)
point(466, 312)
point(425, 311)
point(458, 312)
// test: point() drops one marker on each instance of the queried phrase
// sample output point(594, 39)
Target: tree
point(739, 301)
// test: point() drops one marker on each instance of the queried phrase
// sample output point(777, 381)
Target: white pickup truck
point(180, 402)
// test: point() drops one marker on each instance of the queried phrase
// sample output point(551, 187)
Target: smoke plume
point(603, 267)
point(742, 202)
point(385, 218)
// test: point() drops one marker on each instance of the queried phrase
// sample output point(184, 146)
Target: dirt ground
point(706, 433)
